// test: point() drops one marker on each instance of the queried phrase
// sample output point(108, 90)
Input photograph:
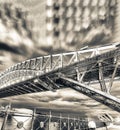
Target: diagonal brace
point(52, 83)
point(97, 95)
point(112, 78)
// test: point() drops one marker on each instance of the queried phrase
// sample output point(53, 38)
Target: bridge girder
point(53, 72)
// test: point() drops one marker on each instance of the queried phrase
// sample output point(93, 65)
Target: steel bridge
point(79, 70)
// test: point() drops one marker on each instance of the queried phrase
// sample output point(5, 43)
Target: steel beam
point(45, 85)
point(112, 78)
point(5, 118)
point(52, 83)
point(101, 78)
point(98, 95)
point(4, 122)
point(33, 118)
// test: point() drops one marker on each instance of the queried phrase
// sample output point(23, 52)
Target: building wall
point(116, 33)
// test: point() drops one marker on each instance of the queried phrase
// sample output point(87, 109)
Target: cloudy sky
point(66, 99)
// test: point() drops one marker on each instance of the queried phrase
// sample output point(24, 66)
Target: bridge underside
point(79, 73)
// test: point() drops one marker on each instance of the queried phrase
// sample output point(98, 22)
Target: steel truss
point(98, 65)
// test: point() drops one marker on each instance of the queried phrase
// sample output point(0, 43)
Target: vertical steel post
point(4, 122)
point(49, 120)
point(6, 117)
point(51, 61)
point(74, 123)
point(61, 60)
point(68, 123)
point(33, 118)
point(101, 78)
point(60, 121)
